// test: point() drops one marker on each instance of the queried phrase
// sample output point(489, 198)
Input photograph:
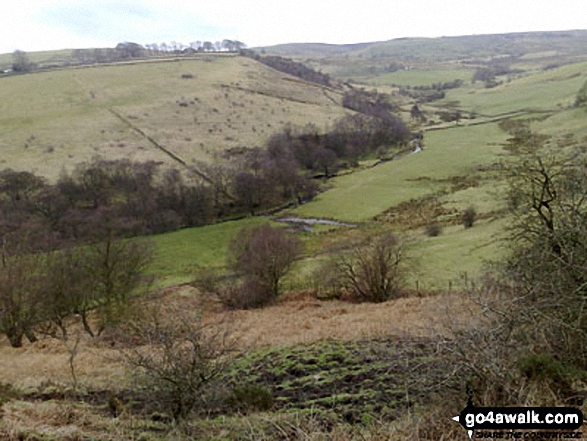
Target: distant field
point(549, 90)
point(361, 62)
point(179, 254)
point(362, 195)
point(572, 121)
point(56, 119)
point(417, 77)
point(442, 262)
point(438, 262)
point(42, 58)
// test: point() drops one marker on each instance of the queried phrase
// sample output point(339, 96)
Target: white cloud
point(44, 24)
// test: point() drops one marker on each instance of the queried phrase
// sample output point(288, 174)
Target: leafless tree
point(178, 358)
point(21, 62)
point(530, 340)
point(263, 255)
point(374, 272)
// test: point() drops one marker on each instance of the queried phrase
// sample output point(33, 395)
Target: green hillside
point(194, 108)
point(548, 90)
point(199, 108)
point(41, 59)
point(456, 168)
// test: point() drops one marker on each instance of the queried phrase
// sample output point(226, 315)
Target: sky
point(33, 25)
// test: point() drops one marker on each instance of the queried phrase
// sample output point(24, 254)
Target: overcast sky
point(32, 25)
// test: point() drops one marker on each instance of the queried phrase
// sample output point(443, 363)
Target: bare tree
point(263, 255)
point(531, 342)
point(21, 62)
point(23, 271)
point(374, 272)
point(178, 359)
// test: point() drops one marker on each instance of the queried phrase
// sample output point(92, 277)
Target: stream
point(307, 223)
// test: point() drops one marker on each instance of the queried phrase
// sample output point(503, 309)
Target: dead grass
point(47, 361)
point(67, 420)
point(301, 318)
point(297, 319)
point(56, 420)
point(311, 320)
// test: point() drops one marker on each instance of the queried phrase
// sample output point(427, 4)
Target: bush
point(542, 367)
point(262, 255)
point(248, 294)
point(468, 217)
point(327, 279)
point(434, 229)
point(374, 273)
point(164, 221)
point(530, 343)
point(178, 360)
point(7, 394)
point(250, 398)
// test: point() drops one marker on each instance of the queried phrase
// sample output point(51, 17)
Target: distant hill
point(443, 59)
point(558, 43)
point(312, 49)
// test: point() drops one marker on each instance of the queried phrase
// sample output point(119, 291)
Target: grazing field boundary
point(491, 119)
point(150, 60)
point(271, 95)
point(152, 141)
point(164, 150)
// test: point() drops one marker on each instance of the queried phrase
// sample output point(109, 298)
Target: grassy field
point(441, 263)
point(549, 90)
point(571, 121)
point(452, 152)
point(416, 77)
point(55, 119)
point(449, 153)
point(178, 255)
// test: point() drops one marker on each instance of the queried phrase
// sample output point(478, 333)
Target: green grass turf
point(417, 77)
point(441, 262)
point(548, 90)
point(179, 254)
point(361, 196)
point(56, 119)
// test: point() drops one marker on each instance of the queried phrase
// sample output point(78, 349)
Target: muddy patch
point(356, 380)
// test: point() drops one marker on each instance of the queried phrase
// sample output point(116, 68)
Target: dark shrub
point(468, 217)
point(434, 229)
